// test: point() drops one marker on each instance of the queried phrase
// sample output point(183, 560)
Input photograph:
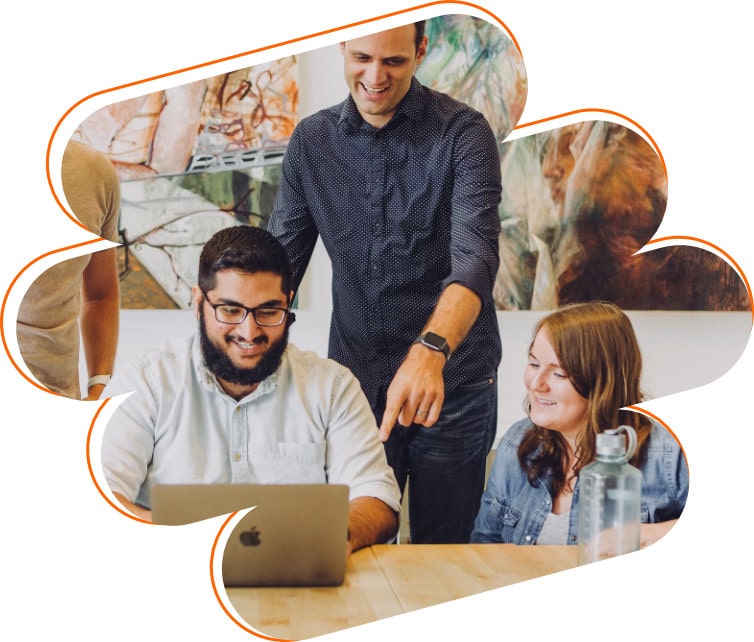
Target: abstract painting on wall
point(578, 203)
point(192, 160)
point(478, 63)
point(198, 157)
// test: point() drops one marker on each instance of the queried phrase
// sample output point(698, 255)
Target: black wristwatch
point(434, 342)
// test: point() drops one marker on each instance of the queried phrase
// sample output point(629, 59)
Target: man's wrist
point(434, 342)
point(98, 380)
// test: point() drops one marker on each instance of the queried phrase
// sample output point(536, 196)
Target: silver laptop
point(294, 536)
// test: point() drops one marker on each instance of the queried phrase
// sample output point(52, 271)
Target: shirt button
point(528, 538)
point(236, 456)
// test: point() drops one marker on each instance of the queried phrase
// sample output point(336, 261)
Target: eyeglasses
point(235, 314)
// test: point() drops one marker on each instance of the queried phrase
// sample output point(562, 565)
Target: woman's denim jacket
point(513, 511)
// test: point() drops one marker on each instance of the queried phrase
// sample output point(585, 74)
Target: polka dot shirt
point(403, 211)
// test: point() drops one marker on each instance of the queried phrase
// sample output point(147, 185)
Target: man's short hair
point(244, 248)
point(420, 26)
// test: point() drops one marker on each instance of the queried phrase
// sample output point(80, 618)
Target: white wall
point(681, 350)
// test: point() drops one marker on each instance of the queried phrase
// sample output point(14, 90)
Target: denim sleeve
point(682, 479)
point(290, 219)
point(665, 479)
point(475, 222)
point(487, 528)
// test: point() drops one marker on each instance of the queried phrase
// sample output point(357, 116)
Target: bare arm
point(418, 384)
point(137, 510)
point(370, 521)
point(100, 308)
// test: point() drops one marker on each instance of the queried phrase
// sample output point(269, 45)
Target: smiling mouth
point(248, 347)
point(373, 91)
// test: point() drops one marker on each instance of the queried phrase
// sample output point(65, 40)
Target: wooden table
point(386, 580)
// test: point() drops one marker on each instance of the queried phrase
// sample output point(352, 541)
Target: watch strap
point(102, 379)
point(434, 342)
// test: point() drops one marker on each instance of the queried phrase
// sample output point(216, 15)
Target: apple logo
point(250, 537)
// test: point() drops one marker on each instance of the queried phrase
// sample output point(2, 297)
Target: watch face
point(435, 341)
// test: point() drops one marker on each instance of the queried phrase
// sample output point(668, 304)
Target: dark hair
point(244, 248)
point(596, 345)
point(420, 26)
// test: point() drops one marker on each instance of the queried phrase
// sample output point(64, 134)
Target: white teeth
point(372, 90)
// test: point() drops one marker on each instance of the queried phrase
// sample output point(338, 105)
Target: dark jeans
point(445, 464)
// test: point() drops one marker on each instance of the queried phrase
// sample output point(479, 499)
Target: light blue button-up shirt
point(513, 511)
point(309, 422)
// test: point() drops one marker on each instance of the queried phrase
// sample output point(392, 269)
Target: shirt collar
point(412, 107)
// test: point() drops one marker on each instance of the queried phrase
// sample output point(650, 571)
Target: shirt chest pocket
point(292, 463)
point(506, 517)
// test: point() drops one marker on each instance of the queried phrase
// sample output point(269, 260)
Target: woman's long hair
point(596, 346)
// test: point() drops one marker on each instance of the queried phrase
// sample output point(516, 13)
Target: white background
point(72, 566)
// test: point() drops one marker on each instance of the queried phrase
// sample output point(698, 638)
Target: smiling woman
point(553, 401)
point(584, 368)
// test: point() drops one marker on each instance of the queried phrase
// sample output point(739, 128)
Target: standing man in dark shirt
point(402, 183)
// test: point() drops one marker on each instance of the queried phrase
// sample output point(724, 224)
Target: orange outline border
point(250, 52)
point(603, 111)
point(120, 509)
point(217, 592)
point(719, 249)
point(645, 412)
point(254, 51)
point(5, 300)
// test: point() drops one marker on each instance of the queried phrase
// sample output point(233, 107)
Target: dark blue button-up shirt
point(403, 211)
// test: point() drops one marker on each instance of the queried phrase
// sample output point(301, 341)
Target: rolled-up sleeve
point(475, 222)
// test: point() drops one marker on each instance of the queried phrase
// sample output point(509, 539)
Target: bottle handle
point(631, 441)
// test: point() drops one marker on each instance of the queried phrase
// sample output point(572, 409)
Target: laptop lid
point(295, 535)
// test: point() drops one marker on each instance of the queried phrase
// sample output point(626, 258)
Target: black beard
point(220, 365)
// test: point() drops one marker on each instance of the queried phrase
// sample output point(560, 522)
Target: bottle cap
point(611, 443)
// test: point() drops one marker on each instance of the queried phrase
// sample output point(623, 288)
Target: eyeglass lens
point(262, 316)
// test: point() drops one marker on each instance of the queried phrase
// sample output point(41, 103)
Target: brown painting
point(578, 203)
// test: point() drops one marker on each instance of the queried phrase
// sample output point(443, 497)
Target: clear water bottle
point(610, 499)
